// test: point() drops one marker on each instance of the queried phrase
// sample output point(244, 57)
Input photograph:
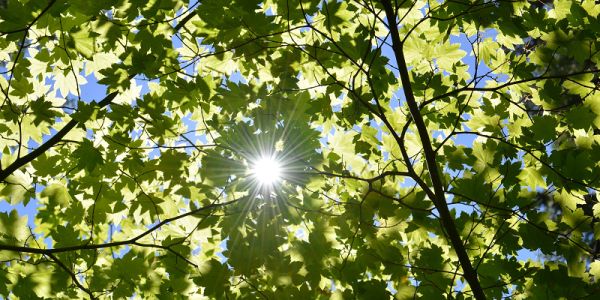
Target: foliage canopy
point(424, 145)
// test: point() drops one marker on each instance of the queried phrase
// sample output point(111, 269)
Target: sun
point(266, 170)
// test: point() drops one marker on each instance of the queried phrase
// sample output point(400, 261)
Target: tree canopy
point(430, 149)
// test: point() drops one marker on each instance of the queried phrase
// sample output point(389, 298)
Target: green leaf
point(17, 188)
point(88, 156)
point(531, 177)
point(544, 128)
point(43, 112)
point(13, 228)
point(57, 195)
point(581, 117)
point(84, 42)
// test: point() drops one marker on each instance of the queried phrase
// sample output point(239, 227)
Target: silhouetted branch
point(112, 244)
point(21, 161)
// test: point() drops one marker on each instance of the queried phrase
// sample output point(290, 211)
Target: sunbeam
point(266, 170)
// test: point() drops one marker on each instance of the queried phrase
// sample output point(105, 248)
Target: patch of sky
point(122, 252)
point(527, 254)
point(470, 59)
point(28, 210)
point(465, 139)
point(186, 201)
point(437, 134)
point(222, 247)
point(196, 250)
point(459, 139)
point(388, 52)
point(89, 134)
point(407, 182)
point(269, 11)
point(459, 286)
point(510, 290)
point(374, 123)
point(50, 83)
point(385, 155)
point(412, 280)
point(135, 134)
point(46, 137)
point(357, 128)
point(92, 90)
point(397, 99)
point(47, 241)
point(154, 154)
point(459, 208)
point(145, 86)
point(324, 140)
point(112, 229)
point(390, 287)
point(301, 234)
point(237, 77)
point(336, 107)
point(333, 287)
point(376, 221)
point(109, 14)
point(31, 144)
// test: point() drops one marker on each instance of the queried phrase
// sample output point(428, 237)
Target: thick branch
point(184, 21)
point(21, 161)
point(439, 200)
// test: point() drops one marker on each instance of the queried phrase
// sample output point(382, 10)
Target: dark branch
point(73, 276)
point(131, 241)
point(505, 85)
point(49, 143)
point(26, 28)
point(439, 201)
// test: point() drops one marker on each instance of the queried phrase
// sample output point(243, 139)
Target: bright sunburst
point(266, 170)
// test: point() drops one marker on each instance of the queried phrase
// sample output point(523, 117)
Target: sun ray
point(266, 171)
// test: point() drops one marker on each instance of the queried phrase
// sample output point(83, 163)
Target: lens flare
point(266, 170)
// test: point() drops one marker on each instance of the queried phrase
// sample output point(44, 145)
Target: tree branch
point(26, 28)
point(505, 85)
point(184, 21)
point(439, 201)
point(112, 244)
point(72, 274)
point(49, 143)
